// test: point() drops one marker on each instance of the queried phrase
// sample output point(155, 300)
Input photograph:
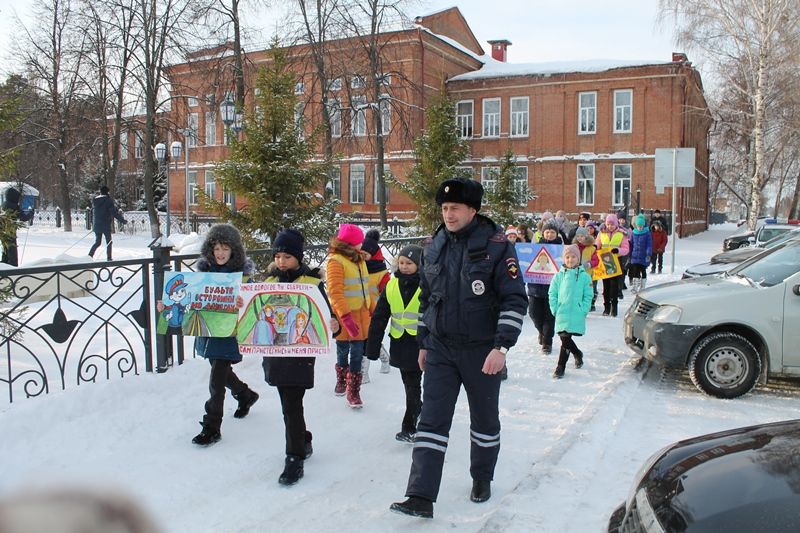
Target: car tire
point(725, 365)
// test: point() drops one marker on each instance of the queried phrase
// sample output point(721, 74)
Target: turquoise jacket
point(570, 298)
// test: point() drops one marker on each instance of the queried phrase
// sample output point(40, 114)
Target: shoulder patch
point(512, 268)
point(498, 237)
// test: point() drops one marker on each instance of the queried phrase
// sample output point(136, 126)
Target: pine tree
point(273, 168)
point(505, 196)
point(439, 150)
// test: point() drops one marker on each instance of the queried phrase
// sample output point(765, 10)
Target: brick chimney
point(500, 49)
point(679, 57)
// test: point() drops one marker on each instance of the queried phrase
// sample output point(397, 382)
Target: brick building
point(584, 133)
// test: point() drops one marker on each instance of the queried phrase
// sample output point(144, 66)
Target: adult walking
point(104, 210)
point(12, 208)
point(472, 302)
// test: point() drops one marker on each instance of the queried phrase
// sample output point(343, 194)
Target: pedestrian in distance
point(12, 209)
point(539, 308)
point(378, 278)
point(570, 297)
point(589, 260)
point(222, 251)
point(292, 376)
point(398, 306)
point(472, 301)
point(641, 250)
point(622, 222)
point(611, 236)
point(104, 210)
point(659, 246)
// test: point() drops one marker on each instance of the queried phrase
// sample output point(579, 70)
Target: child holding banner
point(570, 296)
point(293, 375)
point(611, 236)
point(222, 251)
point(539, 309)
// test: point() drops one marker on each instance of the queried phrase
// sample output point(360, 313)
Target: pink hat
point(571, 249)
point(613, 220)
point(511, 230)
point(351, 234)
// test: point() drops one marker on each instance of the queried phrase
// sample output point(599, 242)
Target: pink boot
point(354, 390)
point(341, 374)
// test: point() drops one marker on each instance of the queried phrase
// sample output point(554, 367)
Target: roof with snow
point(498, 69)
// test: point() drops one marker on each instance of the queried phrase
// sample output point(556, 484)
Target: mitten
point(615, 250)
point(350, 325)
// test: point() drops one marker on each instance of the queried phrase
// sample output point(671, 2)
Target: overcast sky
point(540, 30)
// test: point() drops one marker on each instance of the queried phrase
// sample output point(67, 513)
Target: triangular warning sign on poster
point(543, 263)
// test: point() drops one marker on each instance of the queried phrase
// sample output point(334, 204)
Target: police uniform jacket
point(404, 350)
point(103, 210)
point(472, 288)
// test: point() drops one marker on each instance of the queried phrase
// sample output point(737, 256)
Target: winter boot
point(405, 436)
point(309, 449)
point(642, 284)
point(606, 309)
point(481, 490)
point(547, 349)
point(578, 359)
point(634, 285)
point(210, 433)
point(341, 373)
point(246, 399)
point(414, 506)
point(385, 366)
point(613, 308)
point(659, 270)
point(559, 373)
point(354, 390)
point(652, 270)
point(364, 370)
point(541, 339)
point(293, 470)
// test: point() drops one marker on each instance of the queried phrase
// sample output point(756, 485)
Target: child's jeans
point(356, 351)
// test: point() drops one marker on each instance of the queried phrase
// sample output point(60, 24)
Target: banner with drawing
point(539, 262)
point(608, 267)
point(199, 304)
point(283, 320)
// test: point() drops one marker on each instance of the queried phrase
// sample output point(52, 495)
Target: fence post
point(194, 223)
point(88, 218)
point(163, 341)
point(58, 217)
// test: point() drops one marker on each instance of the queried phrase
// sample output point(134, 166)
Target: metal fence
point(63, 326)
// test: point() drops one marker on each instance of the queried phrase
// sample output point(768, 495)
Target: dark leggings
point(294, 420)
point(543, 319)
point(567, 346)
point(412, 381)
point(98, 237)
point(222, 377)
point(611, 290)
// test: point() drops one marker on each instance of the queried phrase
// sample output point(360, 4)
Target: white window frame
point(489, 179)
point(521, 183)
point(465, 122)
point(209, 184)
point(519, 120)
point(385, 108)
point(358, 123)
point(299, 87)
point(192, 177)
point(211, 99)
point(385, 80)
point(582, 197)
point(619, 182)
point(335, 85)
point(138, 145)
point(464, 172)
point(335, 179)
point(123, 145)
point(357, 183)
point(490, 123)
point(587, 114)
point(191, 101)
point(387, 171)
point(357, 82)
point(227, 196)
point(623, 112)
point(299, 111)
point(211, 128)
point(335, 116)
point(192, 124)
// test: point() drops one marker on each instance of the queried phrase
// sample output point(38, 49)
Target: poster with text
point(539, 262)
point(608, 267)
point(283, 320)
point(199, 303)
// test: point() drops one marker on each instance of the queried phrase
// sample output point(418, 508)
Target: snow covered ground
point(570, 447)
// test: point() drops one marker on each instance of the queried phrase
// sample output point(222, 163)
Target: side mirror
point(796, 290)
point(751, 240)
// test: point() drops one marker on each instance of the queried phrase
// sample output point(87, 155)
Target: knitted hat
point(413, 252)
point(581, 231)
point(547, 215)
point(370, 246)
point(613, 220)
point(592, 224)
point(622, 215)
point(571, 249)
point(639, 221)
point(511, 230)
point(460, 191)
point(351, 234)
point(550, 224)
point(373, 234)
point(289, 241)
point(585, 215)
point(103, 190)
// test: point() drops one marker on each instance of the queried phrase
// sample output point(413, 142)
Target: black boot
point(405, 436)
point(246, 399)
point(210, 433)
point(541, 339)
point(578, 359)
point(293, 470)
point(613, 308)
point(481, 490)
point(414, 506)
point(559, 372)
point(309, 448)
point(606, 309)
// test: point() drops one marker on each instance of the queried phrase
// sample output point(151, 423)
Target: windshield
point(781, 238)
point(773, 266)
point(768, 233)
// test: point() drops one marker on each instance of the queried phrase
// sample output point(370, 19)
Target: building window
point(464, 118)
point(299, 87)
point(387, 171)
point(227, 196)
point(489, 178)
point(521, 184)
point(334, 185)
point(123, 145)
point(358, 125)
point(357, 184)
point(385, 80)
point(192, 187)
point(211, 128)
point(335, 85)
point(191, 101)
point(192, 125)
point(464, 172)
point(211, 100)
point(210, 186)
point(385, 106)
point(138, 145)
point(623, 104)
point(585, 185)
point(519, 116)
point(491, 117)
point(587, 113)
point(299, 109)
point(335, 116)
point(357, 82)
point(622, 185)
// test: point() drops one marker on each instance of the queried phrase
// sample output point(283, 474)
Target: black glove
point(615, 250)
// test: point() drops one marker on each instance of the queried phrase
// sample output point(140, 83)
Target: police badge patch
point(512, 268)
point(478, 288)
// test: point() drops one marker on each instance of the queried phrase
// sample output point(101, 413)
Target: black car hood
point(746, 479)
point(736, 256)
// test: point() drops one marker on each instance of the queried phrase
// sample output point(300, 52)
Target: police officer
point(472, 303)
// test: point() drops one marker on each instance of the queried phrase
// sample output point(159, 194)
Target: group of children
point(362, 298)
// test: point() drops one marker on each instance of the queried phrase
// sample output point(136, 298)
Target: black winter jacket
point(104, 210)
point(403, 351)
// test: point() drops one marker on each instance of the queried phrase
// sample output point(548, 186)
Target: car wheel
point(725, 365)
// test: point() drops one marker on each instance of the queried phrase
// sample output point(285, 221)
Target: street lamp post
point(161, 153)
point(233, 121)
point(175, 153)
point(638, 200)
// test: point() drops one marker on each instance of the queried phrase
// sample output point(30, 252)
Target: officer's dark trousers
point(222, 377)
point(98, 237)
point(447, 367)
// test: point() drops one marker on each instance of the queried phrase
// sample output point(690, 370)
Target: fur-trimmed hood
point(230, 236)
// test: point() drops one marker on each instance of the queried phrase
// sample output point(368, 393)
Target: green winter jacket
point(570, 298)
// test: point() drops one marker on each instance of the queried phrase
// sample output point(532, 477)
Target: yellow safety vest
point(611, 242)
point(356, 283)
point(404, 318)
point(374, 280)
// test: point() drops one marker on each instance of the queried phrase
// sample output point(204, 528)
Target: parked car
point(763, 232)
point(744, 479)
point(767, 232)
point(725, 261)
point(742, 238)
point(728, 331)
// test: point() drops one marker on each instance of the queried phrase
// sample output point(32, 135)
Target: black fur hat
point(228, 235)
point(461, 191)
